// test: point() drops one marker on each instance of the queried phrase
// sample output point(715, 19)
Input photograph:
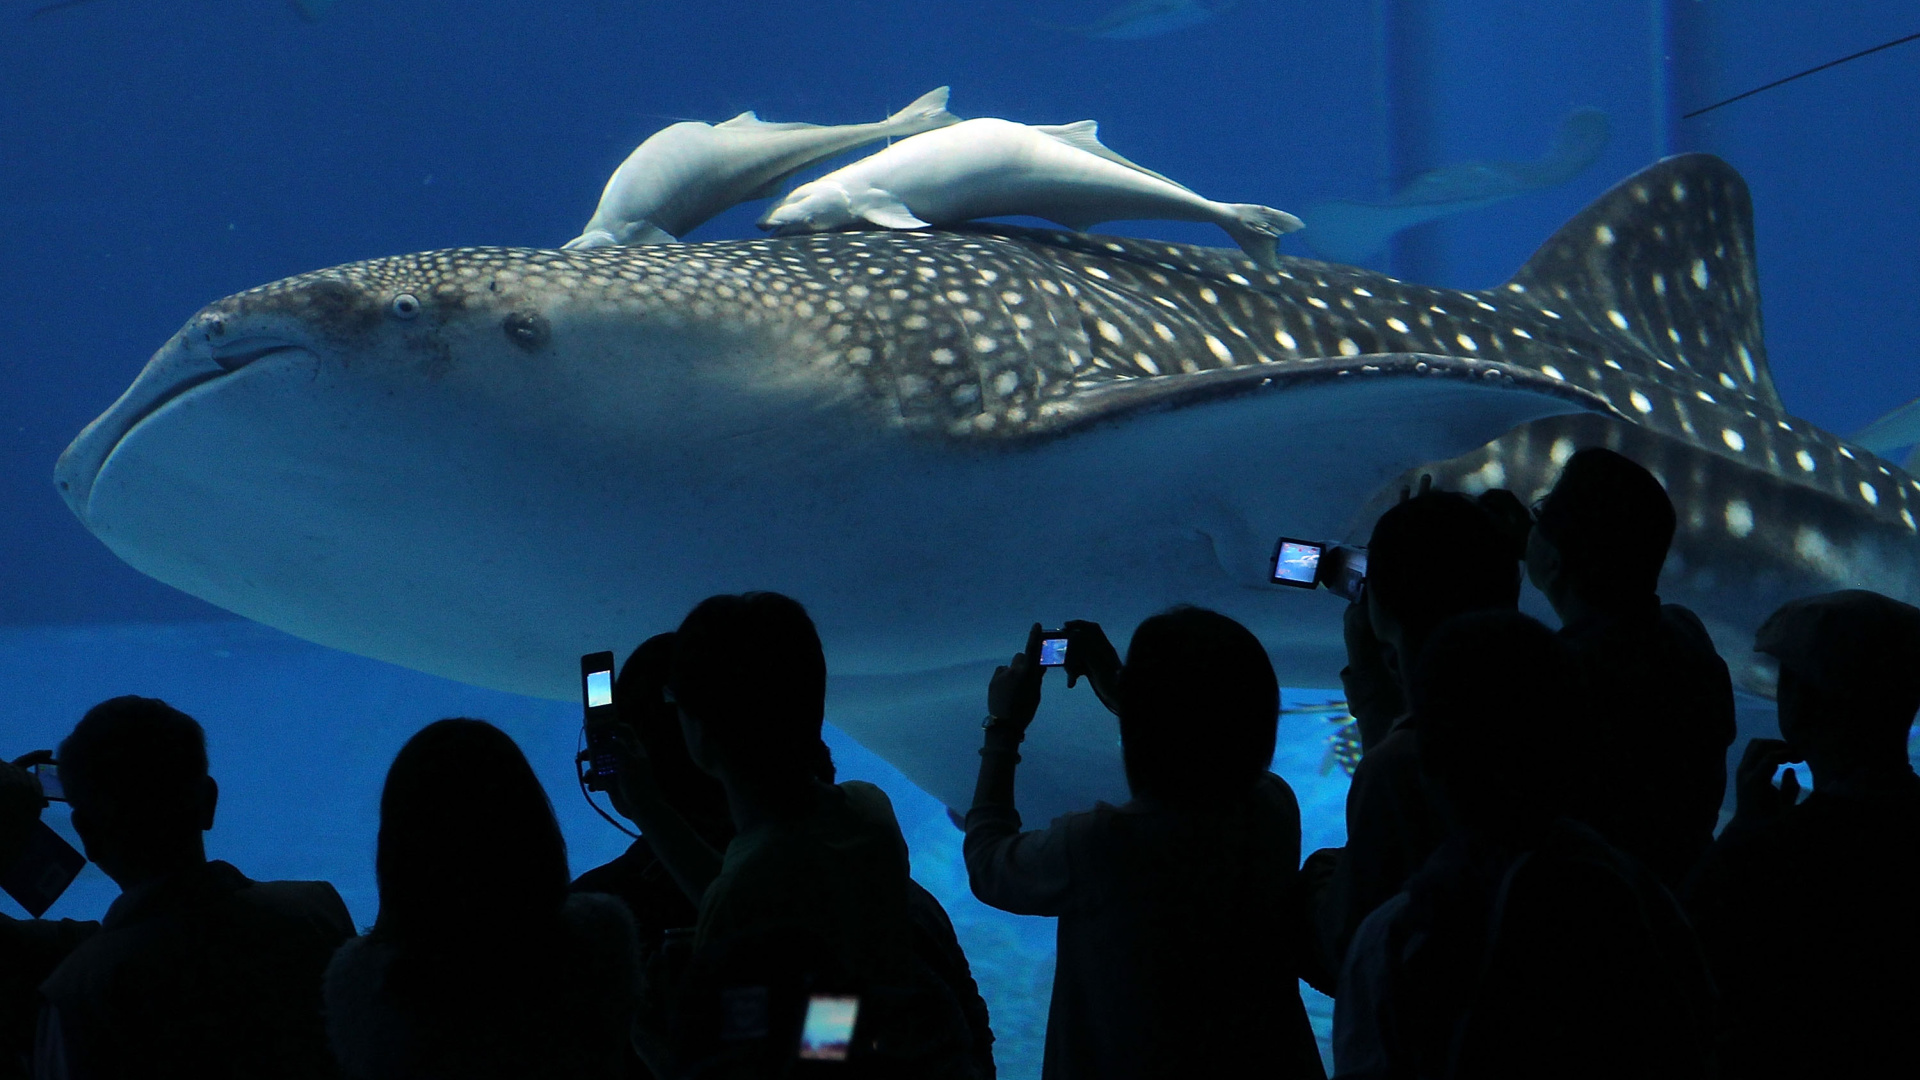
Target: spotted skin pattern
point(1644, 309)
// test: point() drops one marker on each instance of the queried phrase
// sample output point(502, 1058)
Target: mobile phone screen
point(827, 1033)
point(50, 785)
point(599, 689)
point(1053, 651)
point(1296, 562)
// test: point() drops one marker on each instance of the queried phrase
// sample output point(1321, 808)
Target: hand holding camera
point(1092, 657)
point(1013, 696)
point(21, 800)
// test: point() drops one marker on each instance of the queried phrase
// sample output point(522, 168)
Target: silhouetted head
point(135, 770)
point(638, 693)
point(1431, 558)
point(1602, 533)
point(1849, 675)
point(468, 842)
point(1198, 706)
point(751, 679)
point(1498, 707)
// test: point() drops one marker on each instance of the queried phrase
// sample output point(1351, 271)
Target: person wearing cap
point(1661, 696)
point(1806, 908)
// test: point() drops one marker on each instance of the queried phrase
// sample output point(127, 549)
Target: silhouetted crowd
point(1535, 882)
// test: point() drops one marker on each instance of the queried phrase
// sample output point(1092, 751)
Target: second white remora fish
point(685, 174)
point(997, 168)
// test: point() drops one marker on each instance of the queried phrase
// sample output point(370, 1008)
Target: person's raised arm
point(1013, 696)
point(20, 803)
point(680, 848)
point(1027, 873)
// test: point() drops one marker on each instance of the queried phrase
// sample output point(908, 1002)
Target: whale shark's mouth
point(234, 355)
point(177, 370)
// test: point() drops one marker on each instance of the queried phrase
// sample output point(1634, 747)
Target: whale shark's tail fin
point(1665, 258)
point(1258, 229)
point(927, 112)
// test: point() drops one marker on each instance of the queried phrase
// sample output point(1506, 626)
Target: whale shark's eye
point(405, 306)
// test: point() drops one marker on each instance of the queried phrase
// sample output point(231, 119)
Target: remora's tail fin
point(927, 112)
point(1257, 229)
point(1665, 258)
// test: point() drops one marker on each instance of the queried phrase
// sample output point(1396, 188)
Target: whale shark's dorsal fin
point(1665, 258)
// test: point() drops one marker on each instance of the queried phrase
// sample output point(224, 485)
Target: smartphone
point(1297, 562)
point(46, 866)
point(596, 697)
point(1053, 648)
point(827, 1032)
point(48, 777)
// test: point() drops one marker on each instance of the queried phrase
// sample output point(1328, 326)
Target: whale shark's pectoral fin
point(887, 211)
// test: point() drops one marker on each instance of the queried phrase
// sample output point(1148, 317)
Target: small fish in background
point(997, 168)
point(1352, 231)
point(309, 10)
point(1894, 432)
point(685, 174)
point(1343, 744)
point(1138, 19)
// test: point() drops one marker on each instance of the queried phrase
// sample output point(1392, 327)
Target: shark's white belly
point(486, 539)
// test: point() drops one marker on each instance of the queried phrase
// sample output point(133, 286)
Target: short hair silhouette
point(468, 841)
point(1437, 555)
point(1612, 523)
point(1496, 695)
point(1198, 706)
point(139, 753)
point(637, 693)
point(750, 668)
point(1856, 651)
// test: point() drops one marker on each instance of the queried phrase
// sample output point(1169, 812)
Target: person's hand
point(1013, 696)
point(20, 803)
point(1092, 656)
point(1756, 800)
point(1424, 486)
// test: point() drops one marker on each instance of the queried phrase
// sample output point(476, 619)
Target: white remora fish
point(685, 174)
point(995, 168)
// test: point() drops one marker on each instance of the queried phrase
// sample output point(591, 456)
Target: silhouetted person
point(809, 860)
point(480, 963)
point(1526, 946)
point(1432, 557)
point(646, 882)
point(1808, 912)
point(639, 876)
point(1174, 955)
point(1661, 696)
point(196, 971)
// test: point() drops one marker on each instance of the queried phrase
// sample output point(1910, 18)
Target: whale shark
point(483, 462)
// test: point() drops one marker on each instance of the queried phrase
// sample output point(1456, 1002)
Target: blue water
point(158, 154)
